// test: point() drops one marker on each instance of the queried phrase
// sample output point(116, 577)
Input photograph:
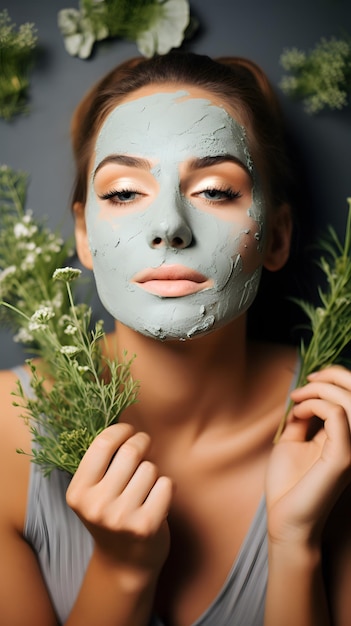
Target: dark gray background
point(39, 143)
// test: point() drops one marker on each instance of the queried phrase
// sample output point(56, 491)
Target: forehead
point(172, 124)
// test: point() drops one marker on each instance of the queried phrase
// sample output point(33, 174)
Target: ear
point(81, 236)
point(279, 238)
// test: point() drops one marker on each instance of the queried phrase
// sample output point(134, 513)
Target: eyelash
point(114, 194)
point(228, 193)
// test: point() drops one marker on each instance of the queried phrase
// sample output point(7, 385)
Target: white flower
point(67, 274)
point(70, 330)
point(23, 336)
point(27, 218)
point(8, 271)
point(29, 262)
point(69, 350)
point(20, 230)
point(64, 319)
point(79, 33)
point(29, 246)
point(43, 314)
point(167, 30)
point(39, 319)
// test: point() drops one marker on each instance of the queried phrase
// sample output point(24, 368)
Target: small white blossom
point(70, 330)
point(27, 218)
point(64, 319)
point(39, 319)
point(33, 326)
point(23, 336)
point(29, 262)
point(20, 230)
point(9, 271)
point(30, 245)
point(67, 274)
point(69, 350)
point(43, 314)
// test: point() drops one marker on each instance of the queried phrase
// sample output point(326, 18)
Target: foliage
point(321, 78)
point(16, 59)
point(330, 323)
point(77, 392)
point(155, 25)
point(87, 393)
point(29, 254)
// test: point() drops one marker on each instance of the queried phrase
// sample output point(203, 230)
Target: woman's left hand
point(306, 475)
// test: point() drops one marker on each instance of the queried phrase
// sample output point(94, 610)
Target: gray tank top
point(64, 546)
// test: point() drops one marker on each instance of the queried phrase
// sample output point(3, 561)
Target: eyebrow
point(210, 161)
point(124, 159)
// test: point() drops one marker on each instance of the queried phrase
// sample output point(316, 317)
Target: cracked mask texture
point(169, 129)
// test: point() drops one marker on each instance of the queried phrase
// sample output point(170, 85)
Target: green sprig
point(320, 78)
point(82, 392)
point(330, 323)
point(16, 59)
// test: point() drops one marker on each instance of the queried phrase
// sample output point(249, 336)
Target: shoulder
point(19, 571)
point(14, 467)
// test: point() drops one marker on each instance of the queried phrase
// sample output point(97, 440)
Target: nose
point(171, 231)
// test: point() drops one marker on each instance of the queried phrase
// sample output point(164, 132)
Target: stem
point(87, 351)
point(13, 308)
point(15, 197)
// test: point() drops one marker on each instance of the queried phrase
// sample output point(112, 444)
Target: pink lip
point(171, 281)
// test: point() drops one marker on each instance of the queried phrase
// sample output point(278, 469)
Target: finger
point(98, 457)
point(156, 506)
point(324, 390)
point(295, 430)
point(124, 464)
point(336, 425)
point(336, 374)
point(140, 485)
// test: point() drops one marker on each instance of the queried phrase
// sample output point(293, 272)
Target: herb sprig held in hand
point(330, 323)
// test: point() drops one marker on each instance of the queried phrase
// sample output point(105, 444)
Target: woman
point(185, 513)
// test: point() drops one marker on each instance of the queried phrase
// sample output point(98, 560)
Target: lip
point(171, 281)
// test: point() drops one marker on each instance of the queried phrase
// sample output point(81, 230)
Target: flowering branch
point(157, 26)
point(87, 393)
point(322, 78)
point(16, 55)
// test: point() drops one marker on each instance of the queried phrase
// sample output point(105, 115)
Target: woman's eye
point(219, 195)
point(124, 196)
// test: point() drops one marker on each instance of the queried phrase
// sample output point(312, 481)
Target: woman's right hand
point(122, 500)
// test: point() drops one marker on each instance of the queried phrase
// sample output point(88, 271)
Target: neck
point(186, 383)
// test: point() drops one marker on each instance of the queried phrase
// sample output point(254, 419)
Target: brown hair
point(238, 82)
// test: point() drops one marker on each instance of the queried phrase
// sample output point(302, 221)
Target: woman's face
point(175, 214)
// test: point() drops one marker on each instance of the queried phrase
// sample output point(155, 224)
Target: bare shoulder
point(20, 575)
point(14, 468)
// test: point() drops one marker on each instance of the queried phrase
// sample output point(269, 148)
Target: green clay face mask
point(177, 252)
